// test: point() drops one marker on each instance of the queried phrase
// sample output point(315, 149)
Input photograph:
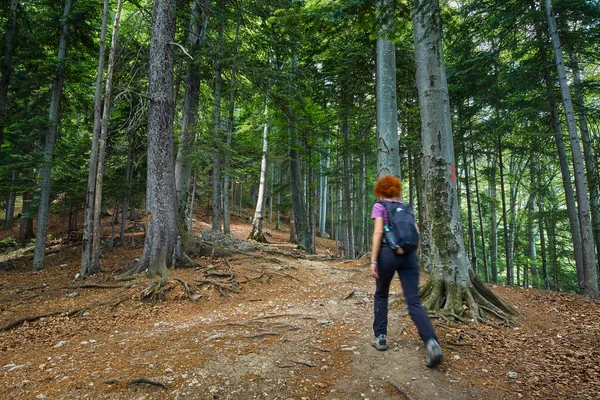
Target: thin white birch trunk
point(256, 230)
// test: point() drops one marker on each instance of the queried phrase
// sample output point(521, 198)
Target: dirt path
point(300, 335)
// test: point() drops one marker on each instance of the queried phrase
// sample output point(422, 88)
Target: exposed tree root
point(156, 290)
point(93, 286)
point(32, 318)
point(474, 303)
point(189, 291)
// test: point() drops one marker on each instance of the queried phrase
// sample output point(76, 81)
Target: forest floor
point(271, 324)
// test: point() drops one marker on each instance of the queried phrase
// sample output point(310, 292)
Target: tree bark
point(451, 284)
point(96, 236)
point(53, 122)
point(161, 232)
point(588, 152)
point(183, 165)
point(227, 158)
point(480, 215)
point(509, 272)
point(86, 242)
point(217, 158)
point(388, 156)
point(493, 219)
point(256, 230)
point(590, 283)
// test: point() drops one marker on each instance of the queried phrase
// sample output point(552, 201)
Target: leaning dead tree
point(452, 284)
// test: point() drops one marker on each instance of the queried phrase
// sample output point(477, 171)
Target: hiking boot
point(379, 343)
point(433, 353)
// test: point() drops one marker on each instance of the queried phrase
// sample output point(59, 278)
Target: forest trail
point(294, 328)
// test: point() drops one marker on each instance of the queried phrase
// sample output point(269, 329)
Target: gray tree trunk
point(388, 156)
point(127, 191)
point(161, 234)
point(53, 122)
point(565, 172)
point(590, 166)
point(493, 221)
point(301, 221)
point(480, 216)
point(86, 242)
point(470, 228)
point(451, 283)
point(227, 158)
point(6, 64)
point(346, 196)
point(96, 235)
point(323, 188)
point(217, 159)
point(256, 230)
point(187, 137)
point(12, 197)
point(590, 283)
point(505, 230)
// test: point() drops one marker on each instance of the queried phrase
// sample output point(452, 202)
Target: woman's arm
point(376, 245)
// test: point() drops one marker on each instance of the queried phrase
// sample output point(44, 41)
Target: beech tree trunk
point(452, 284)
point(493, 220)
point(588, 152)
point(590, 283)
point(227, 157)
point(217, 158)
point(53, 122)
point(564, 169)
point(183, 166)
point(96, 235)
point(388, 156)
point(86, 242)
point(161, 232)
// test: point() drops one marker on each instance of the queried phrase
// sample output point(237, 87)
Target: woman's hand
point(374, 270)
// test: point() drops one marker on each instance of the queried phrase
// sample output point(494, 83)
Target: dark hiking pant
point(388, 263)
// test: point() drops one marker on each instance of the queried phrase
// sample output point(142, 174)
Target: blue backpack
point(401, 230)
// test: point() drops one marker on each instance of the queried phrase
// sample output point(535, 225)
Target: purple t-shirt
point(379, 210)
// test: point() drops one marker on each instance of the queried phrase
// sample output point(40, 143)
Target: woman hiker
point(385, 262)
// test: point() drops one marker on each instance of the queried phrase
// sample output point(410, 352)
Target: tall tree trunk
point(590, 283)
point(161, 232)
point(96, 234)
point(6, 64)
point(256, 230)
point(588, 152)
point(86, 267)
point(12, 197)
point(564, 169)
point(541, 219)
point(493, 220)
point(388, 156)
point(362, 209)
point(346, 196)
point(323, 188)
point(451, 284)
point(53, 122)
point(227, 158)
point(509, 272)
point(187, 137)
point(531, 225)
point(127, 188)
point(301, 221)
point(470, 228)
point(480, 215)
point(216, 195)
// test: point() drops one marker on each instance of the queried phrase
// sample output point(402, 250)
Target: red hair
point(388, 186)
